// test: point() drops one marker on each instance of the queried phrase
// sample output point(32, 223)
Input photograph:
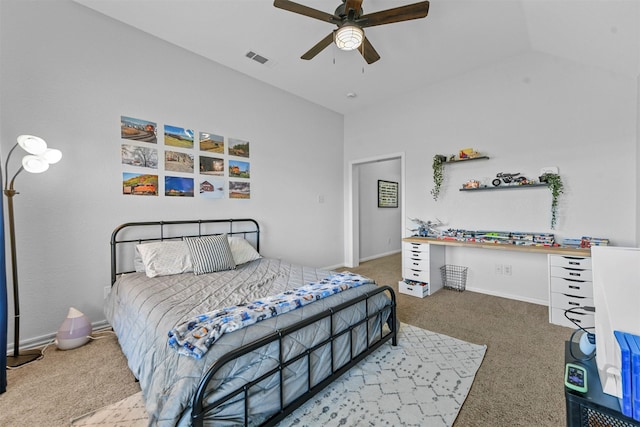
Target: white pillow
point(165, 258)
point(138, 265)
point(242, 250)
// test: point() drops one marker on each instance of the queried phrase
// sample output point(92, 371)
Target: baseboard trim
point(372, 257)
point(335, 267)
point(508, 296)
point(41, 341)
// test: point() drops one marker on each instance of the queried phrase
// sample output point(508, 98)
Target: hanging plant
point(554, 182)
point(438, 174)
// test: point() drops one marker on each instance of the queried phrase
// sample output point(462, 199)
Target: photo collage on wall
point(181, 162)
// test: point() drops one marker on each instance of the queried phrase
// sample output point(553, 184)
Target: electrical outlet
point(498, 268)
point(507, 270)
point(107, 291)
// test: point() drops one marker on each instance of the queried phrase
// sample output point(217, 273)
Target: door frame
point(352, 217)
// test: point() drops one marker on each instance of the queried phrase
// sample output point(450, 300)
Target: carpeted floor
point(422, 381)
point(519, 383)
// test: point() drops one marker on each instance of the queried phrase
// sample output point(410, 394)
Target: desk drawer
point(416, 263)
point(578, 288)
point(416, 247)
point(416, 255)
point(582, 318)
point(564, 301)
point(583, 263)
point(417, 275)
point(416, 289)
point(571, 273)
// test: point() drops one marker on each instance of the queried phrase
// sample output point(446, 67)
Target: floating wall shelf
point(466, 160)
point(505, 187)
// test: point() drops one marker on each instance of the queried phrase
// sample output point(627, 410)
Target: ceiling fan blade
point(397, 14)
point(306, 11)
point(368, 52)
point(354, 5)
point(318, 47)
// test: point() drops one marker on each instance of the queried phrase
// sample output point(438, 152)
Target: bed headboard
point(125, 237)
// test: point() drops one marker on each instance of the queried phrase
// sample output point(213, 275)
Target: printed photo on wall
point(176, 161)
point(211, 143)
point(178, 186)
point(211, 166)
point(239, 190)
point(138, 184)
point(138, 130)
point(178, 137)
point(238, 147)
point(143, 157)
point(238, 169)
point(212, 188)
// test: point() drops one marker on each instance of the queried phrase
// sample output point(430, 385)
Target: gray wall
point(526, 113)
point(68, 74)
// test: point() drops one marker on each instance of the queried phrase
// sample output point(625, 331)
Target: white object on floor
point(74, 332)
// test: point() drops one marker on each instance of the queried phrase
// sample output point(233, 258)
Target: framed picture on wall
point(387, 194)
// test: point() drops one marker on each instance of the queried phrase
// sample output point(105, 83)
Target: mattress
point(143, 310)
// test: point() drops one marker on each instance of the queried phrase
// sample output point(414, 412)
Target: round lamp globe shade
point(349, 37)
point(74, 332)
point(32, 144)
point(34, 164)
point(52, 155)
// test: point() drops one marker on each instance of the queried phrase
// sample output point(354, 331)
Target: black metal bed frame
point(161, 232)
point(200, 408)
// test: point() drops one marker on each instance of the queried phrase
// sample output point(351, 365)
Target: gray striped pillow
point(210, 254)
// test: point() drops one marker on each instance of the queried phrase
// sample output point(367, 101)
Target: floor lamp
point(37, 160)
point(3, 302)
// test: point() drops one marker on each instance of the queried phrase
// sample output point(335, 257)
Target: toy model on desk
point(508, 178)
point(426, 228)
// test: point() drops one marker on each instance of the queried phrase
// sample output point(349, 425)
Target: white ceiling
point(456, 37)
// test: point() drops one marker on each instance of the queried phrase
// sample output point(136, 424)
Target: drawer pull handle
point(415, 263)
point(574, 287)
point(574, 274)
point(573, 280)
point(573, 303)
point(574, 263)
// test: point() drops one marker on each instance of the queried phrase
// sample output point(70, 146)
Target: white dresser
point(570, 286)
point(421, 263)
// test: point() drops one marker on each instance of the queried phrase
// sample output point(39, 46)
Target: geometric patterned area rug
point(422, 381)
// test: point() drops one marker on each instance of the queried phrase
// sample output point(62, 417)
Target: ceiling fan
point(350, 21)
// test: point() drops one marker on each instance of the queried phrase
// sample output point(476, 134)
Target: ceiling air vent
point(256, 57)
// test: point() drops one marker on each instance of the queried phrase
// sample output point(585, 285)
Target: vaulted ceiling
point(456, 37)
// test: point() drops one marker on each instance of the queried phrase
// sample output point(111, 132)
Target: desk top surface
point(555, 250)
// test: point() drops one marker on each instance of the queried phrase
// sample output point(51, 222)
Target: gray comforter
point(142, 310)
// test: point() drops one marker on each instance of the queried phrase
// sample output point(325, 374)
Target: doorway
point(354, 210)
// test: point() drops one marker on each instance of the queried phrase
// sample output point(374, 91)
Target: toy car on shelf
point(509, 178)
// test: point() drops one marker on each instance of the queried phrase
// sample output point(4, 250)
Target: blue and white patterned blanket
point(196, 335)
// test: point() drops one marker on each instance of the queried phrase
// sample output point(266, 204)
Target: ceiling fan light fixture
point(349, 37)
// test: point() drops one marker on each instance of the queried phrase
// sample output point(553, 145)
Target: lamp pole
point(3, 301)
point(27, 356)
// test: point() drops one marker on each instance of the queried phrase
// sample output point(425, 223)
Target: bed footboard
point(380, 317)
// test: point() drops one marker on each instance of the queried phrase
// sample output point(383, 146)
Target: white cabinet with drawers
point(570, 287)
point(421, 263)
